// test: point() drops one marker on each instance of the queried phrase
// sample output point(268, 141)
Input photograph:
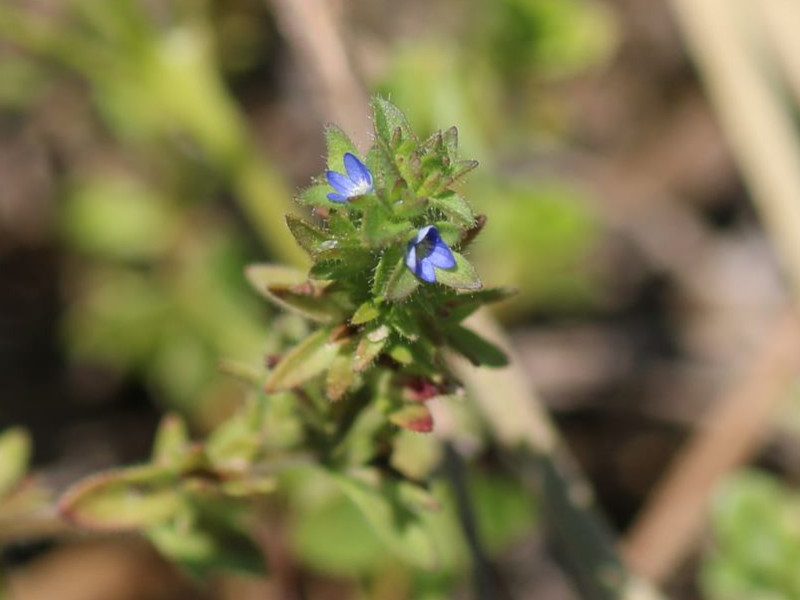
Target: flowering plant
point(388, 290)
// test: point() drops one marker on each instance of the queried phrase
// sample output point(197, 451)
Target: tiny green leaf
point(463, 277)
point(365, 313)
point(338, 145)
point(311, 238)
point(370, 347)
point(310, 358)
point(316, 195)
point(132, 498)
point(454, 206)
point(401, 284)
point(387, 119)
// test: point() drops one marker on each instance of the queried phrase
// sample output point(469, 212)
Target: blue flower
point(357, 182)
point(428, 252)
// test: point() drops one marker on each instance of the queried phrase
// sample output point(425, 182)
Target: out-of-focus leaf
point(334, 538)
point(369, 347)
point(414, 417)
point(119, 218)
point(132, 498)
point(305, 361)
point(341, 375)
point(15, 454)
point(172, 441)
point(404, 533)
point(365, 313)
point(208, 537)
point(290, 288)
point(478, 350)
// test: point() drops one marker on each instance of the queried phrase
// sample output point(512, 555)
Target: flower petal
point(338, 198)
point(425, 271)
point(341, 183)
point(411, 258)
point(441, 256)
point(423, 233)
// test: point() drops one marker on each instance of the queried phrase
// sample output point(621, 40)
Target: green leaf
point(290, 289)
point(461, 305)
point(387, 119)
point(208, 537)
point(172, 442)
point(365, 313)
point(338, 145)
point(341, 375)
point(402, 530)
point(316, 195)
point(310, 358)
point(450, 139)
point(236, 443)
point(378, 230)
point(478, 350)
point(386, 267)
point(455, 207)
point(133, 498)
point(463, 277)
point(15, 454)
point(461, 168)
point(311, 238)
point(370, 347)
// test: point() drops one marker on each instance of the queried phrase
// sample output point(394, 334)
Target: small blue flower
point(357, 182)
point(426, 251)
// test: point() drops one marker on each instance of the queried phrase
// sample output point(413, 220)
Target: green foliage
point(756, 541)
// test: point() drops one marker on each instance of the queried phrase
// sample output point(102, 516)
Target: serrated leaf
point(338, 145)
point(405, 324)
point(172, 441)
point(316, 195)
point(402, 530)
point(478, 350)
point(15, 454)
point(414, 417)
point(365, 313)
point(341, 375)
point(370, 347)
point(133, 498)
point(312, 357)
point(463, 277)
point(455, 207)
point(311, 238)
point(387, 119)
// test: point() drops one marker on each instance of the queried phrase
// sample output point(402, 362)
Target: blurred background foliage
point(149, 150)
